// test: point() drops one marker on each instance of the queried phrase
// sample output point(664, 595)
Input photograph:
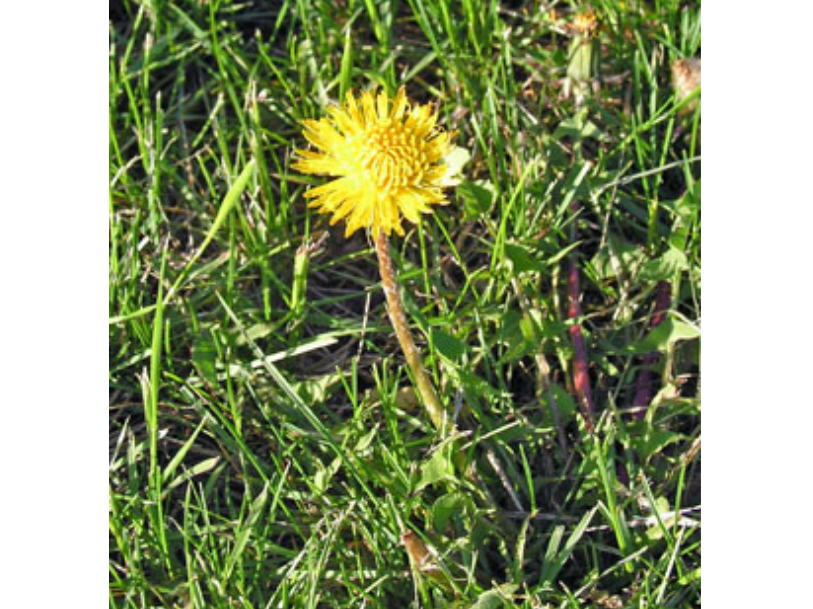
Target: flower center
point(391, 155)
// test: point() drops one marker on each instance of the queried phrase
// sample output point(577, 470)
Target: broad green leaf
point(690, 577)
point(447, 345)
point(577, 127)
point(474, 386)
point(204, 357)
point(522, 260)
point(665, 267)
point(438, 467)
point(323, 474)
point(477, 198)
point(666, 333)
point(496, 597)
point(316, 390)
point(565, 402)
point(448, 506)
point(615, 258)
point(647, 442)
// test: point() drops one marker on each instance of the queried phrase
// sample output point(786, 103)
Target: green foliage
point(267, 448)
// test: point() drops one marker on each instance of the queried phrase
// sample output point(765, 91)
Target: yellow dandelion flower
point(387, 157)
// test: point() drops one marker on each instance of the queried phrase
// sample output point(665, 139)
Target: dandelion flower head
point(387, 158)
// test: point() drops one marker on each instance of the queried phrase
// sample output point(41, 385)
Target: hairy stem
point(395, 309)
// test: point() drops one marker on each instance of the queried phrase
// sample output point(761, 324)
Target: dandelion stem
point(645, 383)
point(581, 379)
point(395, 309)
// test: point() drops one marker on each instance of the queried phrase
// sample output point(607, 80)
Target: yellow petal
point(400, 104)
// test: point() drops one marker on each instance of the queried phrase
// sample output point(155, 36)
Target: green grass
point(266, 448)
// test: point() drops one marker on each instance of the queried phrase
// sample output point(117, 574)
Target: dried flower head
point(388, 158)
point(686, 78)
point(586, 23)
point(422, 558)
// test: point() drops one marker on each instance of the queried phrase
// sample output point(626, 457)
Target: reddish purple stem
point(645, 383)
point(581, 380)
